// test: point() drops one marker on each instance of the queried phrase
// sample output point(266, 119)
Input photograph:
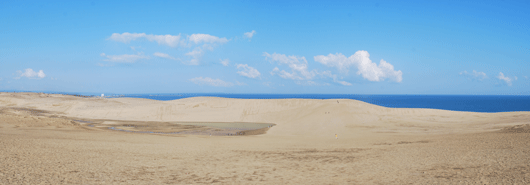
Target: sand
point(45, 140)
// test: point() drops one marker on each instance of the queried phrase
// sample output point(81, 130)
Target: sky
point(287, 47)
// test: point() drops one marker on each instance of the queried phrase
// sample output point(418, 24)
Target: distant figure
point(336, 136)
point(337, 101)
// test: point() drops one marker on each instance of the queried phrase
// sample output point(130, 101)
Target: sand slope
point(375, 145)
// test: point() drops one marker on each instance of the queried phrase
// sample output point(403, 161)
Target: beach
point(63, 139)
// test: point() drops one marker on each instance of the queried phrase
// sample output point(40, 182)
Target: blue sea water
point(469, 103)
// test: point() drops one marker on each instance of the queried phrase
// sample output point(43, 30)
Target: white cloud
point(102, 54)
point(268, 84)
point(195, 55)
point(249, 35)
point(124, 58)
point(297, 65)
point(207, 46)
point(526, 77)
point(208, 43)
point(310, 83)
point(163, 55)
point(169, 40)
point(307, 83)
point(248, 71)
point(211, 82)
point(515, 77)
point(299, 70)
point(205, 38)
point(126, 37)
point(240, 83)
point(341, 62)
point(506, 79)
point(475, 75)
point(344, 83)
point(284, 74)
point(340, 82)
point(365, 67)
point(29, 73)
point(225, 62)
point(104, 65)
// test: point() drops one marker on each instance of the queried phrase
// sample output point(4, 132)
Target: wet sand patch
point(145, 127)
point(182, 128)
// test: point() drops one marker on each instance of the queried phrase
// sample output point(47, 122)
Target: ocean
point(469, 103)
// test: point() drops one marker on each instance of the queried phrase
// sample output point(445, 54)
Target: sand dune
point(375, 145)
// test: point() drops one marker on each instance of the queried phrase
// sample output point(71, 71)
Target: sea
point(468, 103)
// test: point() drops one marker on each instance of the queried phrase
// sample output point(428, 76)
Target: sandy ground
point(41, 144)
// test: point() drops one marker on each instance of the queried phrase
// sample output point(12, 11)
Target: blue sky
point(335, 47)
